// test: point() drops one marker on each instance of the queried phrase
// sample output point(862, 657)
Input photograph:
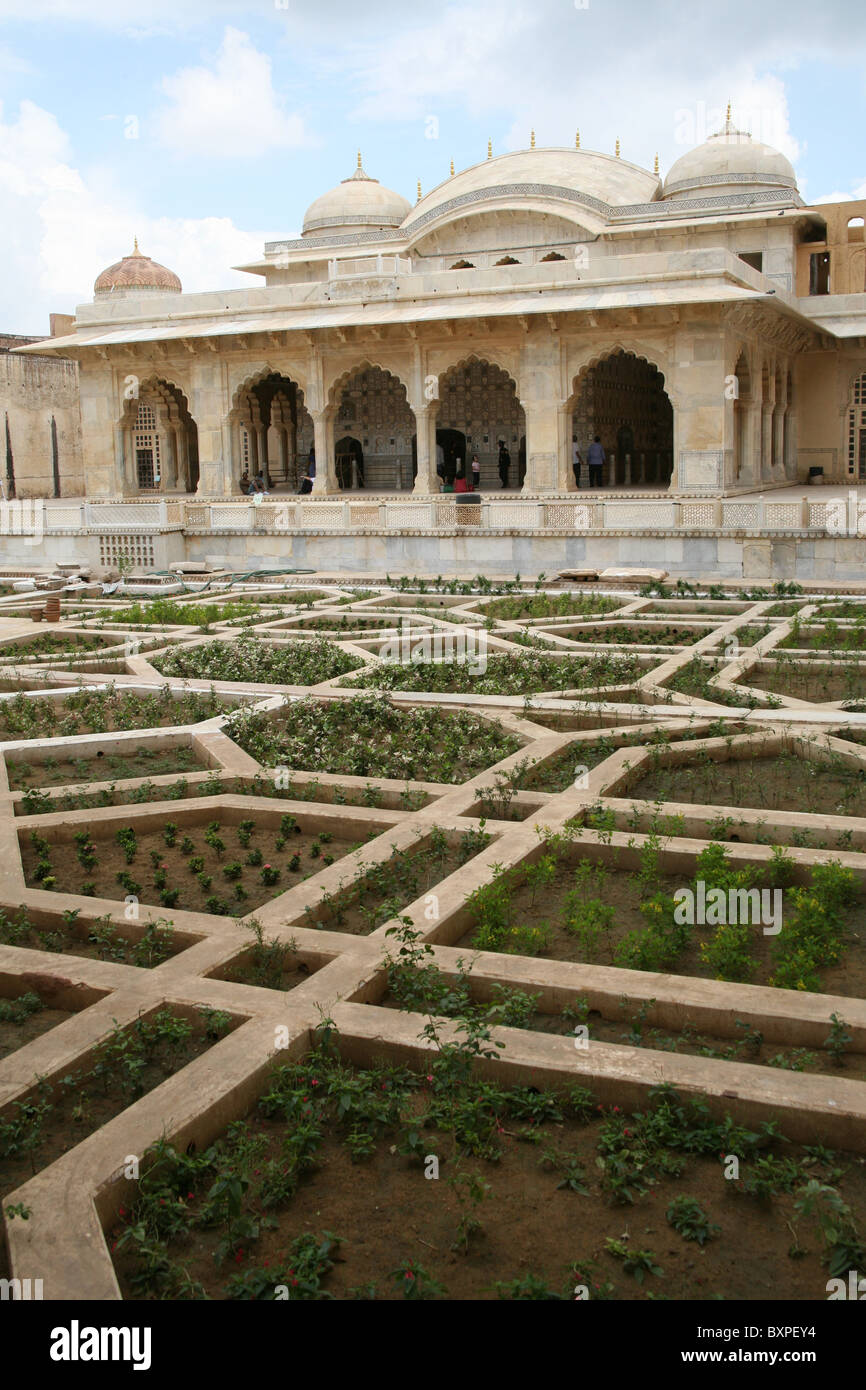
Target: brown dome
point(136, 272)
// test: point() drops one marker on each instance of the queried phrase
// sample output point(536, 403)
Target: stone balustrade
point(841, 515)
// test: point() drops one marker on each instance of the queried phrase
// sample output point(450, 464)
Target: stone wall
point(708, 555)
point(40, 423)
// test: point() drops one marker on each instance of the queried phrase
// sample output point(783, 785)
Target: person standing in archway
point(596, 458)
point(504, 463)
point(476, 474)
point(576, 462)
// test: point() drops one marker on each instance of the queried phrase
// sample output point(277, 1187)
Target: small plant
point(269, 875)
point(414, 1281)
point(838, 1040)
point(638, 1263)
point(688, 1217)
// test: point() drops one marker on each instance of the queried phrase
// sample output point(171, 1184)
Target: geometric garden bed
point(357, 937)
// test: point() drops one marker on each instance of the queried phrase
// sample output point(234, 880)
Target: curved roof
point(136, 272)
point(730, 158)
point(358, 202)
point(597, 179)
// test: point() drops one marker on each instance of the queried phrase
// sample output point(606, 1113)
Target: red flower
point(190, 1196)
point(122, 1211)
point(410, 1274)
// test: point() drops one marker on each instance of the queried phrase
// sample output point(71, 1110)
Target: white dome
point(729, 161)
point(546, 172)
point(358, 203)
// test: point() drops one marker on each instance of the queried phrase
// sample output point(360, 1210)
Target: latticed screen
point(146, 447)
point(857, 431)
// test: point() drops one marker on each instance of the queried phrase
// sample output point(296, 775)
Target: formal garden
point(435, 939)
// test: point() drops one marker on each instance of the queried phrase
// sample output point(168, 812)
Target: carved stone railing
point(570, 513)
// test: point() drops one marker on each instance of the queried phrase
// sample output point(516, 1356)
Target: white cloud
point(59, 230)
point(858, 192)
point(230, 109)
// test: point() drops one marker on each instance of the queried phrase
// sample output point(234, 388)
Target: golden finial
point(577, 140)
point(359, 159)
point(656, 165)
point(452, 168)
point(489, 149)
point(532, 139)
point(617, 147)
point(728, 117)
point(135, 250)
point(419, 190)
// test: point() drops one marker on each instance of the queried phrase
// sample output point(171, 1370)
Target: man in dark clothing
point(595, 457)
point(504, 463)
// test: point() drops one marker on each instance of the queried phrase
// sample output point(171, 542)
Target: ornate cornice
point(774, 328)
point(631, 212)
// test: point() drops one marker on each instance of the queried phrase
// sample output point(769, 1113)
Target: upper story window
point(462, 265)
point(753, 258)
point(819, 272)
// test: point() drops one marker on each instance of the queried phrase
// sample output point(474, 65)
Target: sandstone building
point(710, 327)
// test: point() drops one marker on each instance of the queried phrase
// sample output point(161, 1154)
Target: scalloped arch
point(254, 374)
point(642, 352)
point(484, 362)
point(338, 384)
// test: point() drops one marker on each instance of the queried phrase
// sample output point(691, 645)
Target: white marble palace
point(710, 328)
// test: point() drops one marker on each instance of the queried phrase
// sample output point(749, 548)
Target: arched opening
point(857, 431)
point(742, 401)
point(372, 412)
point(622, 399)
point(478, 400)
point(508, 260)
point(272, 433)
point(349, 462)
point(855, 229)
point(462, 265)
point(450, 453)
point(552, 256)
point(158, 441)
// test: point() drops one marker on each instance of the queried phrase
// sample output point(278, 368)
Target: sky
point(206, 127)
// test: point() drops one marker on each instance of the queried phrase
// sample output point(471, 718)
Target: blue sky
point(207, 126)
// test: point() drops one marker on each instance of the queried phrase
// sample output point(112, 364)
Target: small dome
point(728, 161)
point(357, 203)
point(134, 274)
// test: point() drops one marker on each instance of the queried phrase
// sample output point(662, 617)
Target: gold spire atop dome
point(135, 250)
point(532, 139)
point(728, 116)
point(489, 149)
point(617, 147)
point(577, 140)
point(656, 165)
point(359, 159)
point(419, 190)
point(452, 168)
